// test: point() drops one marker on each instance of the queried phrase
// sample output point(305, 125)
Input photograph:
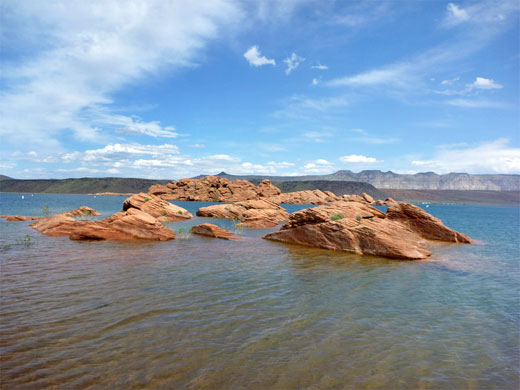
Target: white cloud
point(491, 157)
point(317, 136)
point(354, 158)
point(117, 152)
point(197, 146)
point(455, 14)
point(282, 164)
point(450, 81)
point(315, 81)
point(397, 75)
point(320, 67)
point(255, 59)
point(360, 131)
point(292, 63)
point(483, 83)
point(323, 162)
point(477, 103)
point(85, 53)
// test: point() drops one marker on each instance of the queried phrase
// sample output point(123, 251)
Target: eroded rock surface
point(305, 197)
point(126, 225)
point(210, 230)
point(82, 211)
point(426, 225)
point(19, 218)
point(359, 228)
point(260, 213)
point(156, 207)
point(214, 189)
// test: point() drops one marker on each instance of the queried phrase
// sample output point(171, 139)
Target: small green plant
point(146, 199)
point(180, 212)
point(359, 218)
point(337, 217)
point(372, 219)
point(236, 226)
point(163, 213)
point(183, 233)
point(45, 210)
point(26, 241)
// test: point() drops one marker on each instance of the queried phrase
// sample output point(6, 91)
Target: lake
point(207, 313)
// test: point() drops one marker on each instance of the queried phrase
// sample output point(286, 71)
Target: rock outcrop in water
point(424, 224)
point(82, 211)
point(214, 189)
point(125, 225)
point(359, 228)
point(260, 213)
point(156, 207)
point(210, 230)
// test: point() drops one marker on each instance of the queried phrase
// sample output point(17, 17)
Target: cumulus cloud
point(354, 158)
point(483, 83)
point(255, 59)
point(490, 157)
point(292, 63)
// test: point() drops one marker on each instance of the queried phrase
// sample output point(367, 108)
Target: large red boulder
point(260, 213)
point(359, 228)
point(214, 189)
point(210, 230)
point(156, 207)
point(126, 225)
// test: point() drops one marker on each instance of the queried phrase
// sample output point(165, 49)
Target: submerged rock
point(260, 213)
point(156, 207)
point(214, 189)
point(359, 228)
point(210, 230)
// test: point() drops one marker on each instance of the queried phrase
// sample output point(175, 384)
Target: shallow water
point(206, 313)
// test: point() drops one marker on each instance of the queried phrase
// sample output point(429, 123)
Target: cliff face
point(419, 181)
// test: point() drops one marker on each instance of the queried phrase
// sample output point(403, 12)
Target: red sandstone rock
point(156, 207)
point(19, 218)
point(129, 225)
point(82, 211)
point(368, 198)
point(305, 197)
point(388, 202)
point(260, 213)
point(210, 230)
point(359, 228)
point(426, 225)
point(214, 189)
point(353, 198)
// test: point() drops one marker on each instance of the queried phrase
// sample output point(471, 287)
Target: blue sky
point(172, 89)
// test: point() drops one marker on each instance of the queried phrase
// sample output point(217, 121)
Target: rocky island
point(347, 223)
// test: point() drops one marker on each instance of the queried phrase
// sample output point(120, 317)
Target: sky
point(170, 89)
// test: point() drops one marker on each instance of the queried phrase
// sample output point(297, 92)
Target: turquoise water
point(205, 313)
